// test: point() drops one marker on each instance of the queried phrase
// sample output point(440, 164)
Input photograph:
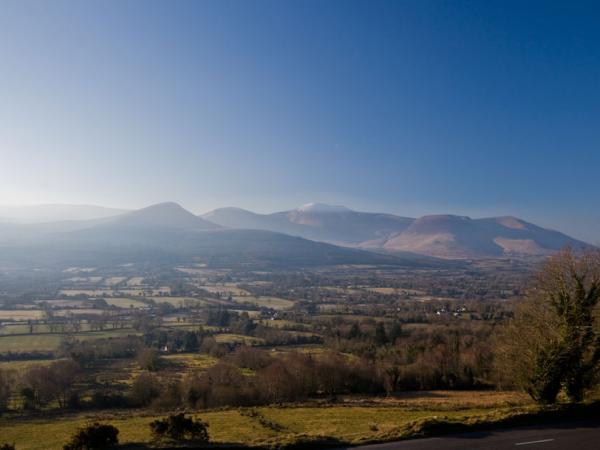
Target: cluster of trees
point(71, 323)
point(175, 340)
point(364, 358)
point(89, 352)
point(444, 356)
point(189, 341)
point(296, 376)
point(291, 377)
point(41, 385)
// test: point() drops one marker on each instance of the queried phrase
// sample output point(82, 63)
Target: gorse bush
point(179, 428)
point(95, 436)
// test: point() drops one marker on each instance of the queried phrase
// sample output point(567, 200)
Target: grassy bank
point(352, 420)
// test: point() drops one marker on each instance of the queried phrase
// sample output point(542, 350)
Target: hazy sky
point(411, 107)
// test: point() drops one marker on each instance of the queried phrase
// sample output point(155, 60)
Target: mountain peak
point(226, 209)
point(322, 207)
point(164, 215)
point(173, 206)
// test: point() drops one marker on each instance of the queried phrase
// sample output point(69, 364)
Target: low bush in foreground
point(95, 436)
point(179, 428)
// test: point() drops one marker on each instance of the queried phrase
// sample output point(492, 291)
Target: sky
point(410, 107)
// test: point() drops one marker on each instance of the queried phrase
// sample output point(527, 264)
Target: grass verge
point(291, 427)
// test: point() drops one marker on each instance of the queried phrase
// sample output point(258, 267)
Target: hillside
point(449, 236)
point(316, 221)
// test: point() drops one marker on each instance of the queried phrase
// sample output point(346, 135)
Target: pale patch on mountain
point(322, 208)
point(521, 246)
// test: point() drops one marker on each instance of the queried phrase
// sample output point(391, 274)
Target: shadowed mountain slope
point(166, 234)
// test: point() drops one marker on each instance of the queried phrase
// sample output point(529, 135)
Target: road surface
point(570, 436)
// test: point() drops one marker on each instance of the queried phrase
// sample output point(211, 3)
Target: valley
point(296, 342)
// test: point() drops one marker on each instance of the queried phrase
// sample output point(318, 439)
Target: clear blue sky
point(412, 107)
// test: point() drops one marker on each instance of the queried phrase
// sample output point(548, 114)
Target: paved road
point(570, 436)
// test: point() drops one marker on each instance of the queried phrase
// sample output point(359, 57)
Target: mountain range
point(311, 235)
point(166, 233)
point(441, 236)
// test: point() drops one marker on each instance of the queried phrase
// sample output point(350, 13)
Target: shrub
point(149, 359)
point(179, 428)
point(145, 389)
point(105, 400)
point(95, 436)
point(8, 447)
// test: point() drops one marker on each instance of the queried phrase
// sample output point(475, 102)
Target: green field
point(237, 338)
point(348, 424)
point(50, 342)
point(123, 302)
point(21, 314)
point(180, 301)
point(135, 281)
point(265, 302)
point(191, 360)
point(23, 365)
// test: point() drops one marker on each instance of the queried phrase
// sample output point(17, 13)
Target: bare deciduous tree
point(553, 343)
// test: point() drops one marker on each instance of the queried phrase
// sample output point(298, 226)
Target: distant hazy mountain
point(444, 236)
point(238, 236)
point(55, 213)
point(168, 234)
point(162, 215)
point(317, 221)
point(448, 236)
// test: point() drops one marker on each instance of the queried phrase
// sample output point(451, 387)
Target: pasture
point(265, 302)
point(125, 302)
point(49, 342)
point(21, 314)
point(350, 422)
